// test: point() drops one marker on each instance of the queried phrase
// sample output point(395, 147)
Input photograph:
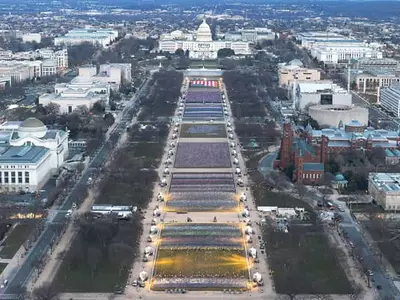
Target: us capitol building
point(200, 45)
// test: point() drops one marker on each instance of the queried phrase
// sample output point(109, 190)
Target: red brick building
point(306, 159)
point(308, 150)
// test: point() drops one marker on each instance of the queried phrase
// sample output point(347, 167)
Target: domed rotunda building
point(201, 45)
point(30, 154)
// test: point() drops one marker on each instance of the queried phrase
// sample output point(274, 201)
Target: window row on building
point(14, 177)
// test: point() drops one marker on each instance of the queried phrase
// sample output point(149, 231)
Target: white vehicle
point(238, 171)
point(163, 182)
point(170, 152)
point(229, 124)
point(123, 212)
point(234, 152)
point(172, 145)
point(4, 284)
point(229, 130)
point(235, 161)
point(174, 136)
point(232, 144)
point(231, 136)
point(166, 171)
point(243, 197)
point(253, 252)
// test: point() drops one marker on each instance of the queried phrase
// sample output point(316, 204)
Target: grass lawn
point(303, 262)
point(152, 150)
point(2, 267)
point(201, 263)
point(80, 279)
point(15, 240)
point(265, 197)
point(203, 131)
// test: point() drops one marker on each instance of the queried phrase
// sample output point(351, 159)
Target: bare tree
point(328, 178)
point(52, 108)
point(81, 110)
point(80, 167)
point(356, 292)
point(94, 256)
point(301, 190)
point(47, 291)
point(121, 253)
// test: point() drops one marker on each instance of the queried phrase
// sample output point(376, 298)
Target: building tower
point(286, 146)
point(324, 149)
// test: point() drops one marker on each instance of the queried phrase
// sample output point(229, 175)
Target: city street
point(77, 195)
point(381, 281)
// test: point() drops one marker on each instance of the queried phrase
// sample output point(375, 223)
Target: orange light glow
point(27, 216)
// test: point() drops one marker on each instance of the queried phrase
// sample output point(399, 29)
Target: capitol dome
point(203, 33)
point(32, 127)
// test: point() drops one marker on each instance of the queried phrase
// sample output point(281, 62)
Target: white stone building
point(390, 99)
point(80, 91)
point(18, 71)
point(29, 154)
point(335, 54)
point(384, 188)
point(332, 115)
point(70, 100)
point(96, 36)
point(334, 48)
point(49, 67)
point(203, 46)
point(32, 37)
point(324, 92)
point(251, 35)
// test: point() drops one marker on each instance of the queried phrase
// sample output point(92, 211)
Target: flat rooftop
point(22, 154)
point(386, 182)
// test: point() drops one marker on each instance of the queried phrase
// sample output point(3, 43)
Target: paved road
point(369, 260)
point(77, 194)
point(376, 116)
point(267, 163)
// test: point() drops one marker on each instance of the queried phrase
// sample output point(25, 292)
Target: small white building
point(111, 74)
point(324, 92)
point(30, 154)
point(124, 75)
point(32, 37)
point(69, 100)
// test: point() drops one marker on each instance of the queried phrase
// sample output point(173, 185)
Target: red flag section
point(204, 83)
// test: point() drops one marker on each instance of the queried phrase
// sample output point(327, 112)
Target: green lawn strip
point(2, 267)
